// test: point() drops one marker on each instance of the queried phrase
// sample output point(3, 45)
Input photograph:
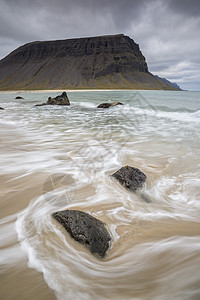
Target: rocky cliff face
point(97, 62)
point(173, 84)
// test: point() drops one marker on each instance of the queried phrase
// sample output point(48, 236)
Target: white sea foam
point(54, 158)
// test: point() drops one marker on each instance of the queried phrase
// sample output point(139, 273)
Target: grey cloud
point(166, 30)
point(186, 7)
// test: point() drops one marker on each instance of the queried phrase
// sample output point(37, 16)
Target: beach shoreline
point(56, 91)
point(56, 158)
point(66, 90)
point(78, 90)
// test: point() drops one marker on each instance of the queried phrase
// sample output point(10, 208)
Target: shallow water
point(53, 158)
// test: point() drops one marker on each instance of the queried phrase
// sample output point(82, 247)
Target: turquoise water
point(54, 158)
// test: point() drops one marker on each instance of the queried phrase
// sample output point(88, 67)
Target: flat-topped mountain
point(104, 62)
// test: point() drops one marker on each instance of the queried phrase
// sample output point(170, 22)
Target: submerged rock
point(42, 104)
point(130, 177)
point(85, 229)
point(1, 108)
point(107, 104)
point(59, 100)
point(19, 97)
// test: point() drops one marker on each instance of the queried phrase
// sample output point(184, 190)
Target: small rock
point(19, 97)
point(85, 229)
point(107, 104)
point(42, 104)
point(130, 177)
point(2, 108)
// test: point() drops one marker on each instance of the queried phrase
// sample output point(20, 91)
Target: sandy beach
point(55, 158)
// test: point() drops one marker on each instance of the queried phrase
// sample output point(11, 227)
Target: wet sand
point(155, 246)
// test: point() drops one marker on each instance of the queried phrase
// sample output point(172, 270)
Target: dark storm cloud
point(185, 7)
point(166, 30)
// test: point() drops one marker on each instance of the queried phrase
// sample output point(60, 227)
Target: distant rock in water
point(173, 84)
point(85, 229)
point(107, 104)
point(19, 97)
point(2, 108)
point(130, 177)
point(59, 100)
point(103, 62)
point(42, 104)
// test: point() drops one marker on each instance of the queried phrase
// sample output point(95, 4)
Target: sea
point(61, 157)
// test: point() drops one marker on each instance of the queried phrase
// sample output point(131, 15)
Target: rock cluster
point(81, 226)
point(64, 100)
point(90, 231)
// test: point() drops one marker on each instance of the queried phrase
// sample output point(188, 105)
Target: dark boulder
point(19, 97)
point(1, 108)
point(129, 177)
point(59, 100)
point(107, 104)
point(85, 229)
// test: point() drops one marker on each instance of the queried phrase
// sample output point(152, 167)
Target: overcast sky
point(168, 31)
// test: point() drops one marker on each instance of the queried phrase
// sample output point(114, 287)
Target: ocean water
point(54, 158)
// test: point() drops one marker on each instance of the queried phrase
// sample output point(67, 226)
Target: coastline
point(79, 90)
point(56, 91)
point(157, 133)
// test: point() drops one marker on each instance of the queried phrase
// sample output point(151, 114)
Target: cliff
point(173, 84)
point(103, 62)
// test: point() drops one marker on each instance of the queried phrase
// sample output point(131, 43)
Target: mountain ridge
point(165, 80)
point(102, 62)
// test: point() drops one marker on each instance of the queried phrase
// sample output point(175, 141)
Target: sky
point(167, 31)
